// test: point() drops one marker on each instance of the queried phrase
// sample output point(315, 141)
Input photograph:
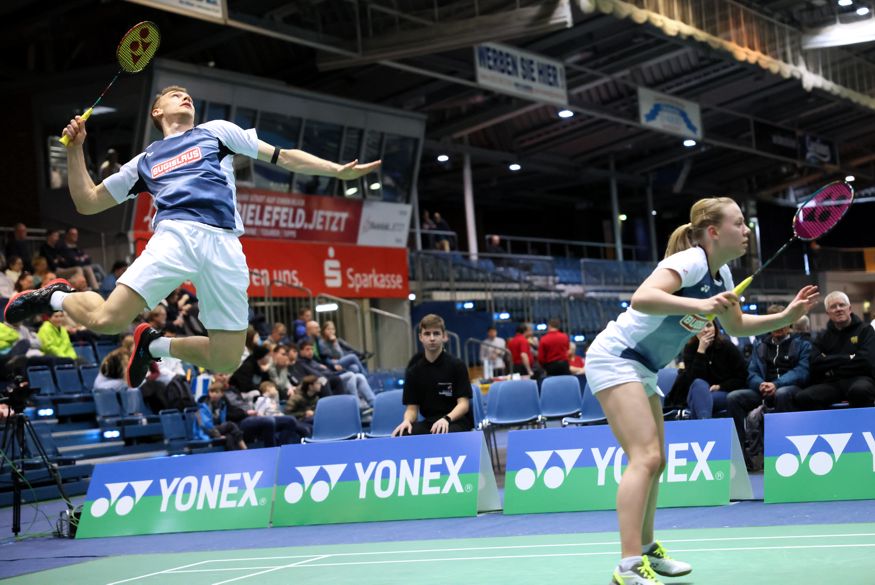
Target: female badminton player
point(196, 234)
point(691, 283)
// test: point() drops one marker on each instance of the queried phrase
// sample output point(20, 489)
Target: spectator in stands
point(252, 372)
point(841, 360)
point(777, 370)
point(802, 328)
point(54, 339)
point(302, 401)
point(445, 241)
point(110, 165)
point(24, 282)
point(252, 341)
point(575, 362)
point(109, 281)
point(427, 226)
point(279, 371)
point(355, 384)
point(299, 327)
point(278, 334)
point(521, 351)
point(437, 386)
point(78, 282)
point(111, 376)
point(553, 350)
point(7, 286)
point(72, 257)
point(17, 246)
point(331, 383)
point(14, 267)
point(493, 245)
point(50, 250)
point(41, 272)
point(336, 351)
point(213, 419)
point(713, 367)
point(492, 351)
point(288, 429)
point(314, 331)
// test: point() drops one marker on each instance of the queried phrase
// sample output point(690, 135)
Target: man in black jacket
point(842, 359)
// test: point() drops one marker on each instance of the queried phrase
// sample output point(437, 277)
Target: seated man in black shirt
point(437, 385)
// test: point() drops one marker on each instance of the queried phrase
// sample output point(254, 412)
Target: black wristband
point(276, 155)
point(448, 419)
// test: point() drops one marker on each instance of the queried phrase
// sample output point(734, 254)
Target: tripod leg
point(50, 467)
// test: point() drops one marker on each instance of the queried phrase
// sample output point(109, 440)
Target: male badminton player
point(196, 234)
point(621, 364)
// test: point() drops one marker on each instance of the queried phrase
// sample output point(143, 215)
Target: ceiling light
point(411, 297)
point(623, 217)
point(845, 2)
point(850, 179)
point(375, 186)
point(689, 143)
point(566, 114)
point(652, 212)
point(351, 191)
point(863, 10)
point(442, 158)
point(514, 167)
point(326, 307)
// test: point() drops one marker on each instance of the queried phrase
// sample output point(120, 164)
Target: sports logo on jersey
point(694, 323)
point(186, 158)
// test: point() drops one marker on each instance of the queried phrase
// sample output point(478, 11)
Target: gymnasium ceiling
point(563, 160)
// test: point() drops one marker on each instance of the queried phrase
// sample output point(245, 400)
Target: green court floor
point(801, 555)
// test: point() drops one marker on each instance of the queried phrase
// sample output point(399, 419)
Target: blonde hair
point(432, 321)
point(703, 214)
point(155, 121)
point(268, 389)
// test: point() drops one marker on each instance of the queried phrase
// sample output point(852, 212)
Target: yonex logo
point(821, 462)
point(123, 504)
point(319, 490)
point(554, 476)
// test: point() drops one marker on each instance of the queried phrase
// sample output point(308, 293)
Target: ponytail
point(680, 240)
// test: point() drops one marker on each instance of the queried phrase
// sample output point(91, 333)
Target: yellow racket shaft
point(65, 140)
point(740, 288)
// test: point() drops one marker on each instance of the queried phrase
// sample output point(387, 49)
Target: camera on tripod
point(17, 394)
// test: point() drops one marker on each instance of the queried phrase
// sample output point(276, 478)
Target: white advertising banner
point(384, 224)
point(511, 71)
point(669, 114)
point(213, 10)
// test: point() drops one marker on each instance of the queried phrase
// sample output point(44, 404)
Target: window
point(398, 163)
point(281, 131)
point(321, 139)
point(243, 174)
point(352, 144)
point(217, 112)
point(371, 182)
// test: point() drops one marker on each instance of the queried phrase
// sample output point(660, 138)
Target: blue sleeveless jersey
point(655, 340)
point(190, 175)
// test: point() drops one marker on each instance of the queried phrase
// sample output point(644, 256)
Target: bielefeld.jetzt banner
point(819, 456)
point(575, 469)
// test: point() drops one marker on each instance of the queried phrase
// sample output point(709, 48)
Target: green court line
point(729, 556)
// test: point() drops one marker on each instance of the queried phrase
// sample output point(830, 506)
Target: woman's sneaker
point(664, 564)
point(640, 574)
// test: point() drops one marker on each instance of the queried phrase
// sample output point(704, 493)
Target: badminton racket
point(134, 52)
point(814, 219)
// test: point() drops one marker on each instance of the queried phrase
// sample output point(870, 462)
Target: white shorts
point(211, 258)
point(604, 371)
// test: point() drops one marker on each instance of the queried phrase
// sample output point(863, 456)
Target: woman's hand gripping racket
point(814, 219)
point(134, 52)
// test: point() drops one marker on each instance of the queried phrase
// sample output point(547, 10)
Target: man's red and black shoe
point(138, 365)
point(30, 303)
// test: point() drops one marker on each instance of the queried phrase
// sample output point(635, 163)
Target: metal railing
point(407, 328)
point(472, 356)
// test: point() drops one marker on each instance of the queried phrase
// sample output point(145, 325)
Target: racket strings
point(138, 47)
point(823, 211)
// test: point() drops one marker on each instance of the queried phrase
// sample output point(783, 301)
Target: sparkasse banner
point(213, 491)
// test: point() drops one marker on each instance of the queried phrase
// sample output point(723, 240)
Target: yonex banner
point(576, 469)
point(214, 491)
point(432, 476)
point(819, 456)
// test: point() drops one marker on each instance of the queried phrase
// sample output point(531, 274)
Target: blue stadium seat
point(86, 353)
point(103, 348)
point(68, 379)
point(337, 418)
point(388, 412)
point(477, 405)
point(560, 397)
point(40, 377)
point(592, 411)
point(88, 375)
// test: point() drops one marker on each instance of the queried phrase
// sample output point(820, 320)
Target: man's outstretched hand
point(353, 170)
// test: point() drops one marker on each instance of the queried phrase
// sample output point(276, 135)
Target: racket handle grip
point(65, 140)
point(739, 288)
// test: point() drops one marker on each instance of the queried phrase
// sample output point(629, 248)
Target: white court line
point(529, 546)
point(556, 555)
point(289, 566)
point(158, 573)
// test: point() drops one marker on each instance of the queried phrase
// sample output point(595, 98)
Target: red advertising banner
point(347, 271)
